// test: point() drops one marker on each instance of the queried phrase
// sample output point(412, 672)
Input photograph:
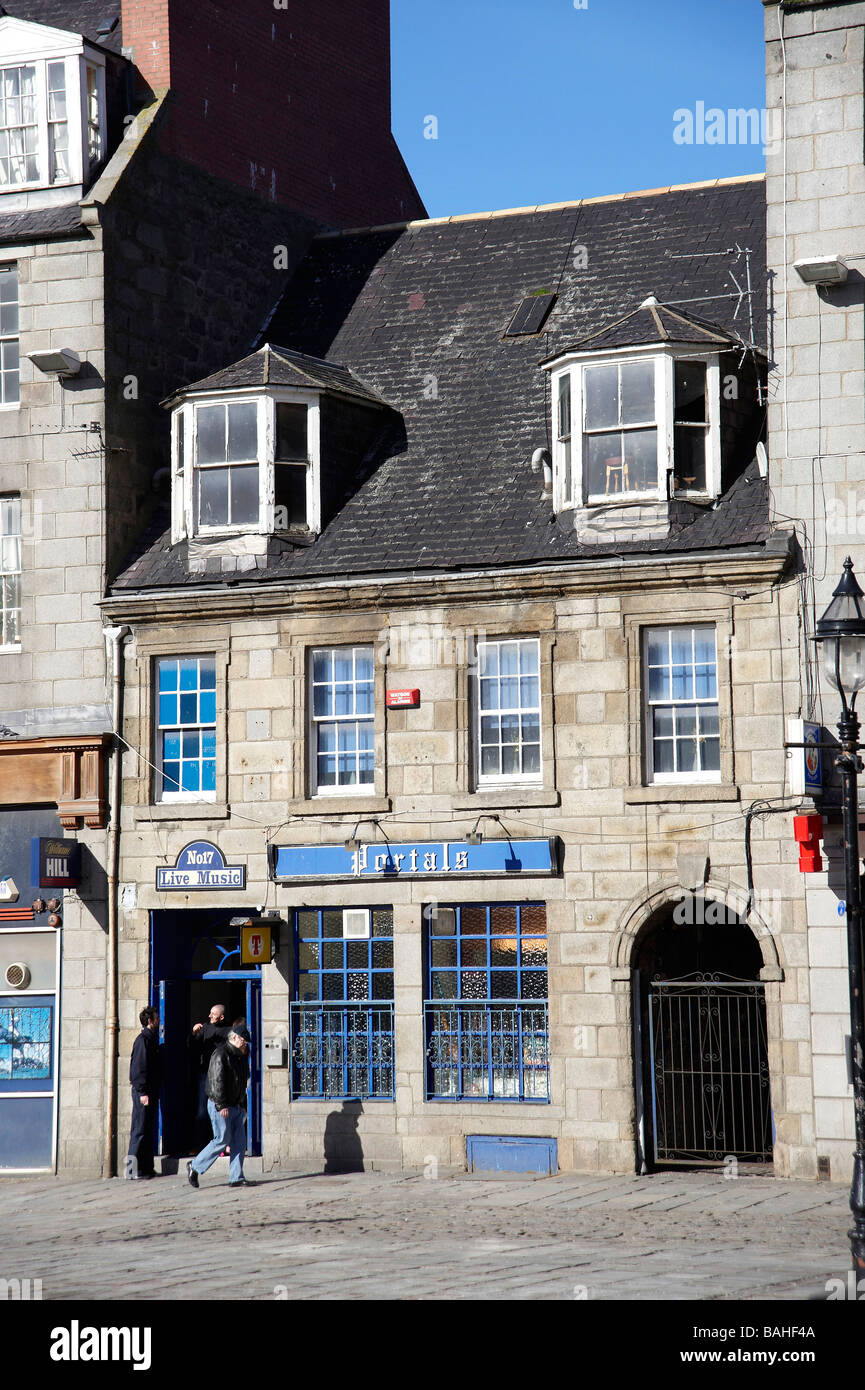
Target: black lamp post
point(841, 634)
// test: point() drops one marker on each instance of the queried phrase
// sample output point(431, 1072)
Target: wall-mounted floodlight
point(822, 270)
point(60, 362)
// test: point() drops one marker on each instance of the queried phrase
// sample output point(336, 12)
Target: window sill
point(682, 791)
point(505, 798)
point(11, 649)
point(181, 810)
point(340, 806)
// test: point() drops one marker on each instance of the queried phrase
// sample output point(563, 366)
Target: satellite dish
point(762, 460)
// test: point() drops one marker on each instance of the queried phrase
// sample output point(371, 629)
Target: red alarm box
point(809, 832)
point(403, 699)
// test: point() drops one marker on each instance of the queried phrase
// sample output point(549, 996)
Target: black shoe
point(242, 1182)
point(191, 1175)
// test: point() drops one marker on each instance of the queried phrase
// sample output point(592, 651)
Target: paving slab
point(373, 1236)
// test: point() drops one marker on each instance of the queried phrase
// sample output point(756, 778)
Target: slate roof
point(40, 224)
point(277, 366)
point(418, 312)
point(75, 16)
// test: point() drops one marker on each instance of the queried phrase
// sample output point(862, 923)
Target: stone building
point(816, 435)
point(459, 667)
point(141, 200)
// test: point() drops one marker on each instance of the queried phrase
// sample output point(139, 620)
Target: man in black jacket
point(206, 1037)
point(227, 1080)
point(145, 1076)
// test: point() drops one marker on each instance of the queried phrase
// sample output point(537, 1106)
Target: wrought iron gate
point(709, 1069)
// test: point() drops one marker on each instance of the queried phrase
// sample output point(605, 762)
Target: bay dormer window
point(636, 426)
point(52, 113)
point(246, 463)
point(247, 444)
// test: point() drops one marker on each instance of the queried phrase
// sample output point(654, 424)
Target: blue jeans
point(231, 1132)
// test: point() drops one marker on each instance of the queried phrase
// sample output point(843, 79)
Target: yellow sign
point(256, 944)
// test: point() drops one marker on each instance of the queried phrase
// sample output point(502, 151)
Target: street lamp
point(841, 634)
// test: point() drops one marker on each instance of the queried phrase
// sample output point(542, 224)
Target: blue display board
point(427, 859)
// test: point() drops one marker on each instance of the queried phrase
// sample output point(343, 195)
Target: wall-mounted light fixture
point(59, 362)
point(822, 270)
point(353, 844)
point(475, 836)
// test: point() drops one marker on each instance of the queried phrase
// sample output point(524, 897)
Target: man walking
point(227, 1080)
point(206, 1037)
point(145, 1075)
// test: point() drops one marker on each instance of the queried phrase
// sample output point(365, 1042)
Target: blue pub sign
point(427, 859)
point(200, 867)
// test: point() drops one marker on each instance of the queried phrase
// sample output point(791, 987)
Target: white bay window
point(246, 462)
point(636, 425)
point(52, 110)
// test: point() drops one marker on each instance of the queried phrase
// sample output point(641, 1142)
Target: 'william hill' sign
point(447, 859)
point(199, 867)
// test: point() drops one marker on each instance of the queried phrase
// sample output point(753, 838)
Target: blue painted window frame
point(342, 1019)
point(488, 1045)
point(186, 727)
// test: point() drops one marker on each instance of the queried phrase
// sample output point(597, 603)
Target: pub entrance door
point(196, 964)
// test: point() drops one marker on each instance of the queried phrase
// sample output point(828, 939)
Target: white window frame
point(159, 795)
point(664, 359)
point(12, 338)
point(29, 45)
point(12, 572)
point(363, 789)
point(184, 469)
point(484, 781)
point(659, 779)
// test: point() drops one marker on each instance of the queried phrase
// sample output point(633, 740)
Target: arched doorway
point(701, 1047)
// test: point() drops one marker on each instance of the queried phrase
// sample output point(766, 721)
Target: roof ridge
point(420, 223)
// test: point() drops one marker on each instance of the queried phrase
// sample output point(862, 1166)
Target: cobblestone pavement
point(403, 1236)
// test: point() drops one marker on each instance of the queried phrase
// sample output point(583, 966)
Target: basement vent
point(17, 975)
point(531, 315)
point(355, 924)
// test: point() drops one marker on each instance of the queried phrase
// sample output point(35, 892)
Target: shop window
point(342, 1017)
point(9, 386)
point(10, 571)
point(508, 712)
point(681, 704)
point(186, 728)
point(342, 733)
point(486, 1019)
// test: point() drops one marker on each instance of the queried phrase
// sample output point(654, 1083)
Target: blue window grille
point(187, 725)
point(342, 1019)
point(486, 1017)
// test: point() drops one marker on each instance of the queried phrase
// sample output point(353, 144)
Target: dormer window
point(647, 427)
point(246, 463)
point(52, 109)
point(226, 466)
point(637, 413)
point(247, 446)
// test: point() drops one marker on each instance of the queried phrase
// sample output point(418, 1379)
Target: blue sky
point(540, 102)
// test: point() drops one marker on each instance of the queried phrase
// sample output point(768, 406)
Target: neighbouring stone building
point(815, 191)
point(141, 202)
point(460, 663)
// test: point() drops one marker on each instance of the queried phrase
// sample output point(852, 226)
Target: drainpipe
point(114, 636)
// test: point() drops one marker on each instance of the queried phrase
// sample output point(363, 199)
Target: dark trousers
point(140, 1158)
